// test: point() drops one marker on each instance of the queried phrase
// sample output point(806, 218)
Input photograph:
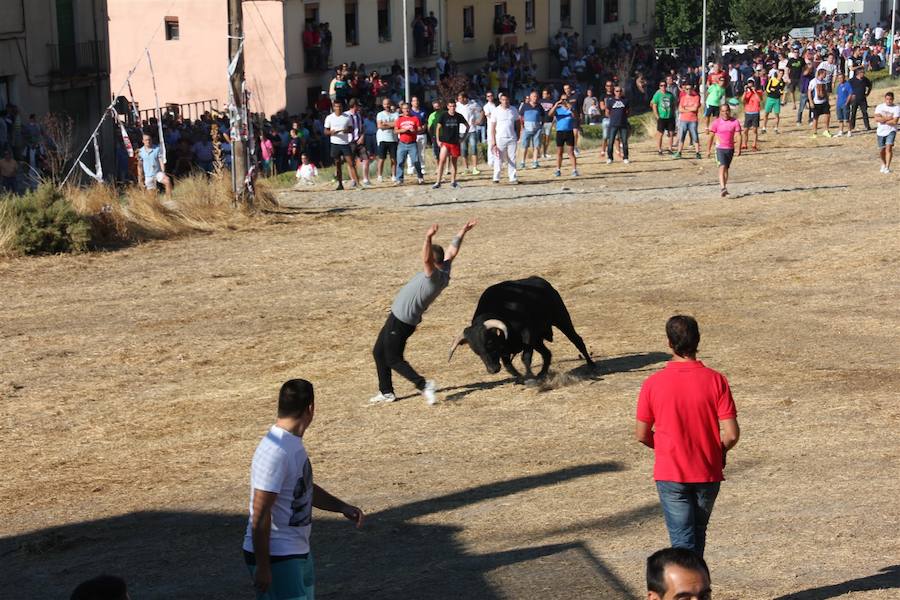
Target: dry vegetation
point(136, 384)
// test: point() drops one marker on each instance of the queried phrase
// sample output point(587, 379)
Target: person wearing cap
point(774, 91)
point(724, 129)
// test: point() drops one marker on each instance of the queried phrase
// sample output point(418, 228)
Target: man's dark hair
point(295, 397)
point(659, 560)
point(438, 253)
point(684, 334)
point(104, 587)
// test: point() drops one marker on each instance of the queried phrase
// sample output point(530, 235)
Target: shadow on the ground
point(171, 554)
point(785, 190)
point(886, 579)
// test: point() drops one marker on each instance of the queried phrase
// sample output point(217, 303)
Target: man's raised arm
point(453, 250)
point(427, 256)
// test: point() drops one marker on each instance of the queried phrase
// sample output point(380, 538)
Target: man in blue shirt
point(532, 114)
point(565, 132)
point(844, 91)
point(154, 167)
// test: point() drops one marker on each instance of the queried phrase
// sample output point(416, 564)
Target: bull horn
point(497, 324)
point(460, 341)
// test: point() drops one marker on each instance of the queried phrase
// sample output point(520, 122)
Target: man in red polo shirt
point(679, 414)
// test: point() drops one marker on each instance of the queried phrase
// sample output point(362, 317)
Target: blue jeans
point(411, 150)
point(622, 132)
point(687, 508)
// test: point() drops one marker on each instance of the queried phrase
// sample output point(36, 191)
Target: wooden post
point(238, 146)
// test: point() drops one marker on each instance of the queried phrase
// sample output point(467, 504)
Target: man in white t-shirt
point(282, 496)
point(339, 128)
point(386, 138)
point(468, 134)
point(887, 115)
point(504, 127)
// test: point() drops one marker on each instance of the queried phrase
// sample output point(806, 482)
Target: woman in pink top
point(267, 150)
point(724, 129)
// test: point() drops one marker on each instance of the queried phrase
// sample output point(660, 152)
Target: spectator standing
point(387, 138)
point(546, 104)
point(431, 27)
point(282, 495)
point(859, 100)
point(469, 110)
point(679, 415)
point(408, 127)
point(887, 115)
point(153, 165)
point(724, 129)
point(843, 93)
point(714, 96)
point(774, 91)
point(818, 98)
point(447, 132)
point(505, 133)
point(532, 115)
point(312, 48)
point(689, 117)
point(562, 113)
point(752, 100)
point(416, 110)
point(663, 106)
point(339, 128)
point(617, 109)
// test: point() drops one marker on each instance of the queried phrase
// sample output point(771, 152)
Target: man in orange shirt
point(752, 99)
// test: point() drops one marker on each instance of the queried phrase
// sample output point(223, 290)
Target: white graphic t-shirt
point(891, 112)
point(281, 465)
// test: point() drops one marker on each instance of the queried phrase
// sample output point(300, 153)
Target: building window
point(4, 92)
point(529, 15)
point(419, 9)
point(565, 13)
point(351, 29)
point(172, 32)
point(469, 22)
point(384, 20)
point(634, 11)
point(312, 13)
point(590, 12)
point(610, 11)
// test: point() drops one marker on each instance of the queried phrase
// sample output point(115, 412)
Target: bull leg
point(527, 354)
point(569, 331)
point(545, 356)
point(507, 364)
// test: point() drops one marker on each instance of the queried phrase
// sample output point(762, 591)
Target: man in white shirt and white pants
point(487, 110)
point(504, 128)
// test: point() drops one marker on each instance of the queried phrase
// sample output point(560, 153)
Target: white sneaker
point(609, 161)
point(839, 134)
point(849, 134)
point(428, 392)
point(577, 152)
point(380, 179)
point(625, 161)
point(382, 398)
point(366, 183)
point(393, 178)
point(881, 170)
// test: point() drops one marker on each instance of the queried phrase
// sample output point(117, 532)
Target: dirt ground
point(135, 385)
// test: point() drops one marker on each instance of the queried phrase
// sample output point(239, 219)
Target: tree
point(679, 23)
point(765, 20)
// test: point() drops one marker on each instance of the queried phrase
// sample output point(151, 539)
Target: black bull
point(518, 316)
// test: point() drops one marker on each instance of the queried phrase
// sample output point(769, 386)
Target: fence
point(189, 110)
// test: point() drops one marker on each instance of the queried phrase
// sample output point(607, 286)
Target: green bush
point(43, 222)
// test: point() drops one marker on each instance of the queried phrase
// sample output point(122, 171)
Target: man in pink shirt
point(724, 129)
point(679, 413)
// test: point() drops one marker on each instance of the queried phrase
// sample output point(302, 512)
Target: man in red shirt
point(408, 127)
point(679, 414)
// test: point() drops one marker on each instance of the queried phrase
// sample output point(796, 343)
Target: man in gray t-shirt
point(409, 305)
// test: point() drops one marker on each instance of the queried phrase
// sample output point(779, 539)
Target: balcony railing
point(77, 59)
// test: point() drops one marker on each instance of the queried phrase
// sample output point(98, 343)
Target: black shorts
point(751, 120)
point(359, 150)
point(724, 157)
point(821, 109)
point(339, 150)
point(665, 125)
point(565, 137)
point(385, 148)
point(794, 84)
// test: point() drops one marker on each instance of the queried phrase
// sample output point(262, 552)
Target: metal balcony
point(84, 58)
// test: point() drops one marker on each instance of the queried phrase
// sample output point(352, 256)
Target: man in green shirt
point(714, 96)
point(437, 109)
point(663, 103)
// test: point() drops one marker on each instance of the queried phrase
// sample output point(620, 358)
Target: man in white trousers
point(504, 128)
point(488, 109)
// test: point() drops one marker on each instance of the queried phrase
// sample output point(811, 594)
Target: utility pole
point(238, 146)
point(406, 52)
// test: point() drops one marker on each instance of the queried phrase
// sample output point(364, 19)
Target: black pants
point(388, 353)
point(864, 107)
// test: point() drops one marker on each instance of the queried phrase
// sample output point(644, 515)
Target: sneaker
point(496, 180)
point(887, 171)
point(609, 161)
point(366, 183)
point(535, 165)
point(410, 170)
point(676, 155)
point(454, 185)
point(574, 172)
point(625, 161)
point(476, 172)
point(428, 392)
point(577, 153)
point(814, 136)
point(698, 156)
point(398, 182)
point(420, 181)
point(380, 179)
point(382, 398)
point(849, 134)
point(827, 134)
point(522, 165)
point(556, 173)
point(724, 192)
point(339, 187)
point(436, 186)
point(882, 169)
point(352, 184)
point(659, 152)
point(514, 182)
point(839, 134)
point(762, 130)
point(776, 131)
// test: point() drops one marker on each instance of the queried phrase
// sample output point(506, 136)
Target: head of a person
point(677, 574)
point(663, 86)
point(820, 73)
point(414, 102)
point(859, 73)
point(436, 104)
point(567, 88)
point(608, 86)
point(687, 87)
point(504, 100)
point(726, 111)
point(451, 106)
point(617, 91)
point(683, 333)
point(304, 158)
point(296, 400)
point(7, 155)
point(104, 587)
point(780, 73)
point(352, 105)
point(386, 104)
point(338, 107)
point(533, 97)
point(545, 93)
point(404, 109)
point(889, 98)
point(489, 97)
point(462, 98)
point(437, 253)
point(148, 141)
point(841, 78)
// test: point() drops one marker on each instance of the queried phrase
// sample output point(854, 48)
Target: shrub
point(43, 222)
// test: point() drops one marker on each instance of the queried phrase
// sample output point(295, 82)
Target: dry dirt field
point(135, 385)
